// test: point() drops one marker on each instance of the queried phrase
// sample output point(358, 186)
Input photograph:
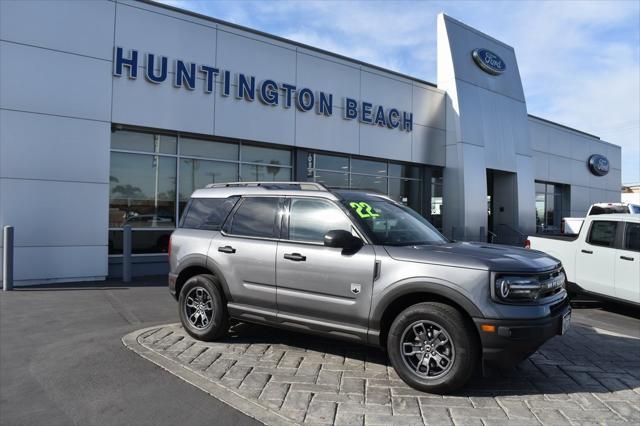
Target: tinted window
point(635, 209)
point(608, 210)
point(256, 217)
point(603, 233)
point(310, 220)
point(632, 237)
point(208, 213)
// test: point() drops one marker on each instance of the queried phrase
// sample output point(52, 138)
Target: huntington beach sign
point(188, 75)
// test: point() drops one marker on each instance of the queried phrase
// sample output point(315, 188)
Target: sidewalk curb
point(226, 395)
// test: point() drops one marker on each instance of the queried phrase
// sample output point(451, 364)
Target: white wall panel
point(579, 172)
point(238, 118)
point(428, 107)
point(81, 27)
point(37, 146)
point(46, 81)
point(560, 142)
point(597, 195)
point(327, 133)
point(539, 136)
point(163, 106)
point(428, 145)
point(164, 35)
point(263, 60)
point(54, 213)
point(580, 147)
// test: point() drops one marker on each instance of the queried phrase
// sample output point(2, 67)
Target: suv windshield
point(389, 223)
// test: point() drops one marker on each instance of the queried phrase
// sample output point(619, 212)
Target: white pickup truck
point(602, 260)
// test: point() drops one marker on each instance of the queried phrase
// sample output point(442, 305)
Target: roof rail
point(305, 186)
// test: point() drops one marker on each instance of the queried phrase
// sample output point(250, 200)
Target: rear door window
point(603, 233)
point(256, 217)
point(208, 213)
point(632, 237)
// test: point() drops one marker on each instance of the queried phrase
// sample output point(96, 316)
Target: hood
point(491, 257)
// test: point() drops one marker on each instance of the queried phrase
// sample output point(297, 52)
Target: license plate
point(566, 321)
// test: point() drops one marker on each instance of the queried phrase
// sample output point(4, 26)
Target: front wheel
point(432, 347)
point(202, 308)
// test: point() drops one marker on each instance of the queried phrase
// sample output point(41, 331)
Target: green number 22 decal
point(363, 209)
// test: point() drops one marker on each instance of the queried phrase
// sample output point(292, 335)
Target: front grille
point(550, 280)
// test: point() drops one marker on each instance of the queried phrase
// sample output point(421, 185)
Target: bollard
point(126, 253)
point(7, 259)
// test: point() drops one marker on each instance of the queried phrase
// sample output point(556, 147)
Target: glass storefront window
point(406, 191)
point(272, 156)
point(332, 179)
point(551, 206)
point(256, 172)
point(368, 167)
point(142, 190)
point(208, 149)
point(144, 142)
point(436, 199)
point(142, 241)
point(403, 170)
point(332, 162)
point(196, 174)
point(371, 183)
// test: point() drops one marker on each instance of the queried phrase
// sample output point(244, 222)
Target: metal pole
point(7, 259)
point(126, 253)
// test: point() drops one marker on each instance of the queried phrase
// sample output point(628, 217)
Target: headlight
point(510, 288)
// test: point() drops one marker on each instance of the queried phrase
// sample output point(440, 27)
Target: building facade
point(113, 112)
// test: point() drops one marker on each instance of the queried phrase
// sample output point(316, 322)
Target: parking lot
point(62, 361)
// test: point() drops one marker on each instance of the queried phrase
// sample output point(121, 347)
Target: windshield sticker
point(363, 209)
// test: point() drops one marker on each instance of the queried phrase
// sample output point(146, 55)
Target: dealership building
point(113, 112)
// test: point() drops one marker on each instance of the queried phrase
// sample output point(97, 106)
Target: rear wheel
point(432, 347)
point(202, 308)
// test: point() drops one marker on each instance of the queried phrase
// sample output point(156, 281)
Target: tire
point(435, 332)
point(202, 308)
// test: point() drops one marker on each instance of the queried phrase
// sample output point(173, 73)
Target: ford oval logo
point(598, 164)
point(488, 61)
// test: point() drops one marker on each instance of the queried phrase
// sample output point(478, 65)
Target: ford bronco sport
point(359, 266)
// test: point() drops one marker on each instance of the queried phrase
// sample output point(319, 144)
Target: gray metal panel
point(238, 118)
point(164, 35)
point(52, 213)
point(428, 145)
point(84, 28)
point(327, 133)
point(559, 171)
point(58, 148)
point(320, 72)
point(53, 264)
point(382, 142)
point(162, 105)
point(385, 90)
point(46, 81)
point(580, 200)
point(428, 106)
point(541, 165)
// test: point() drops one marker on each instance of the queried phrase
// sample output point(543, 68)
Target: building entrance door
point(502, 207)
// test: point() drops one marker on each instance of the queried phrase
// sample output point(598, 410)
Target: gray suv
point(356, 265)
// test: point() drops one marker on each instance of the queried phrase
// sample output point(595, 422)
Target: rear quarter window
point(208, 213)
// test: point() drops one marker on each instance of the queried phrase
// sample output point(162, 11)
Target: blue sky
point(579, 60)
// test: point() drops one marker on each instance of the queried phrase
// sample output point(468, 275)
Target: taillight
point(169, 249)
point(527, 244)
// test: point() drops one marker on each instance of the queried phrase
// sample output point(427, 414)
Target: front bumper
point(514, 340)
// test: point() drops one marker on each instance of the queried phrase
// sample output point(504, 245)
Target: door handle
point(227, 249)
point(626, 258)
point(586, 251)
point(296, 257)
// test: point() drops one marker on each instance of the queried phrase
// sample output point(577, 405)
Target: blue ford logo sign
point(598, 164)
point(488, 61)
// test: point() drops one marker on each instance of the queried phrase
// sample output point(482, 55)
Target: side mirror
point(339, 238)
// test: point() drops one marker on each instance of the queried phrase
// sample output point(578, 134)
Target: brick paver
point(584, 377)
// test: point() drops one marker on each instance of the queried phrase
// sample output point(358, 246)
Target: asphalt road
point(62, 360)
